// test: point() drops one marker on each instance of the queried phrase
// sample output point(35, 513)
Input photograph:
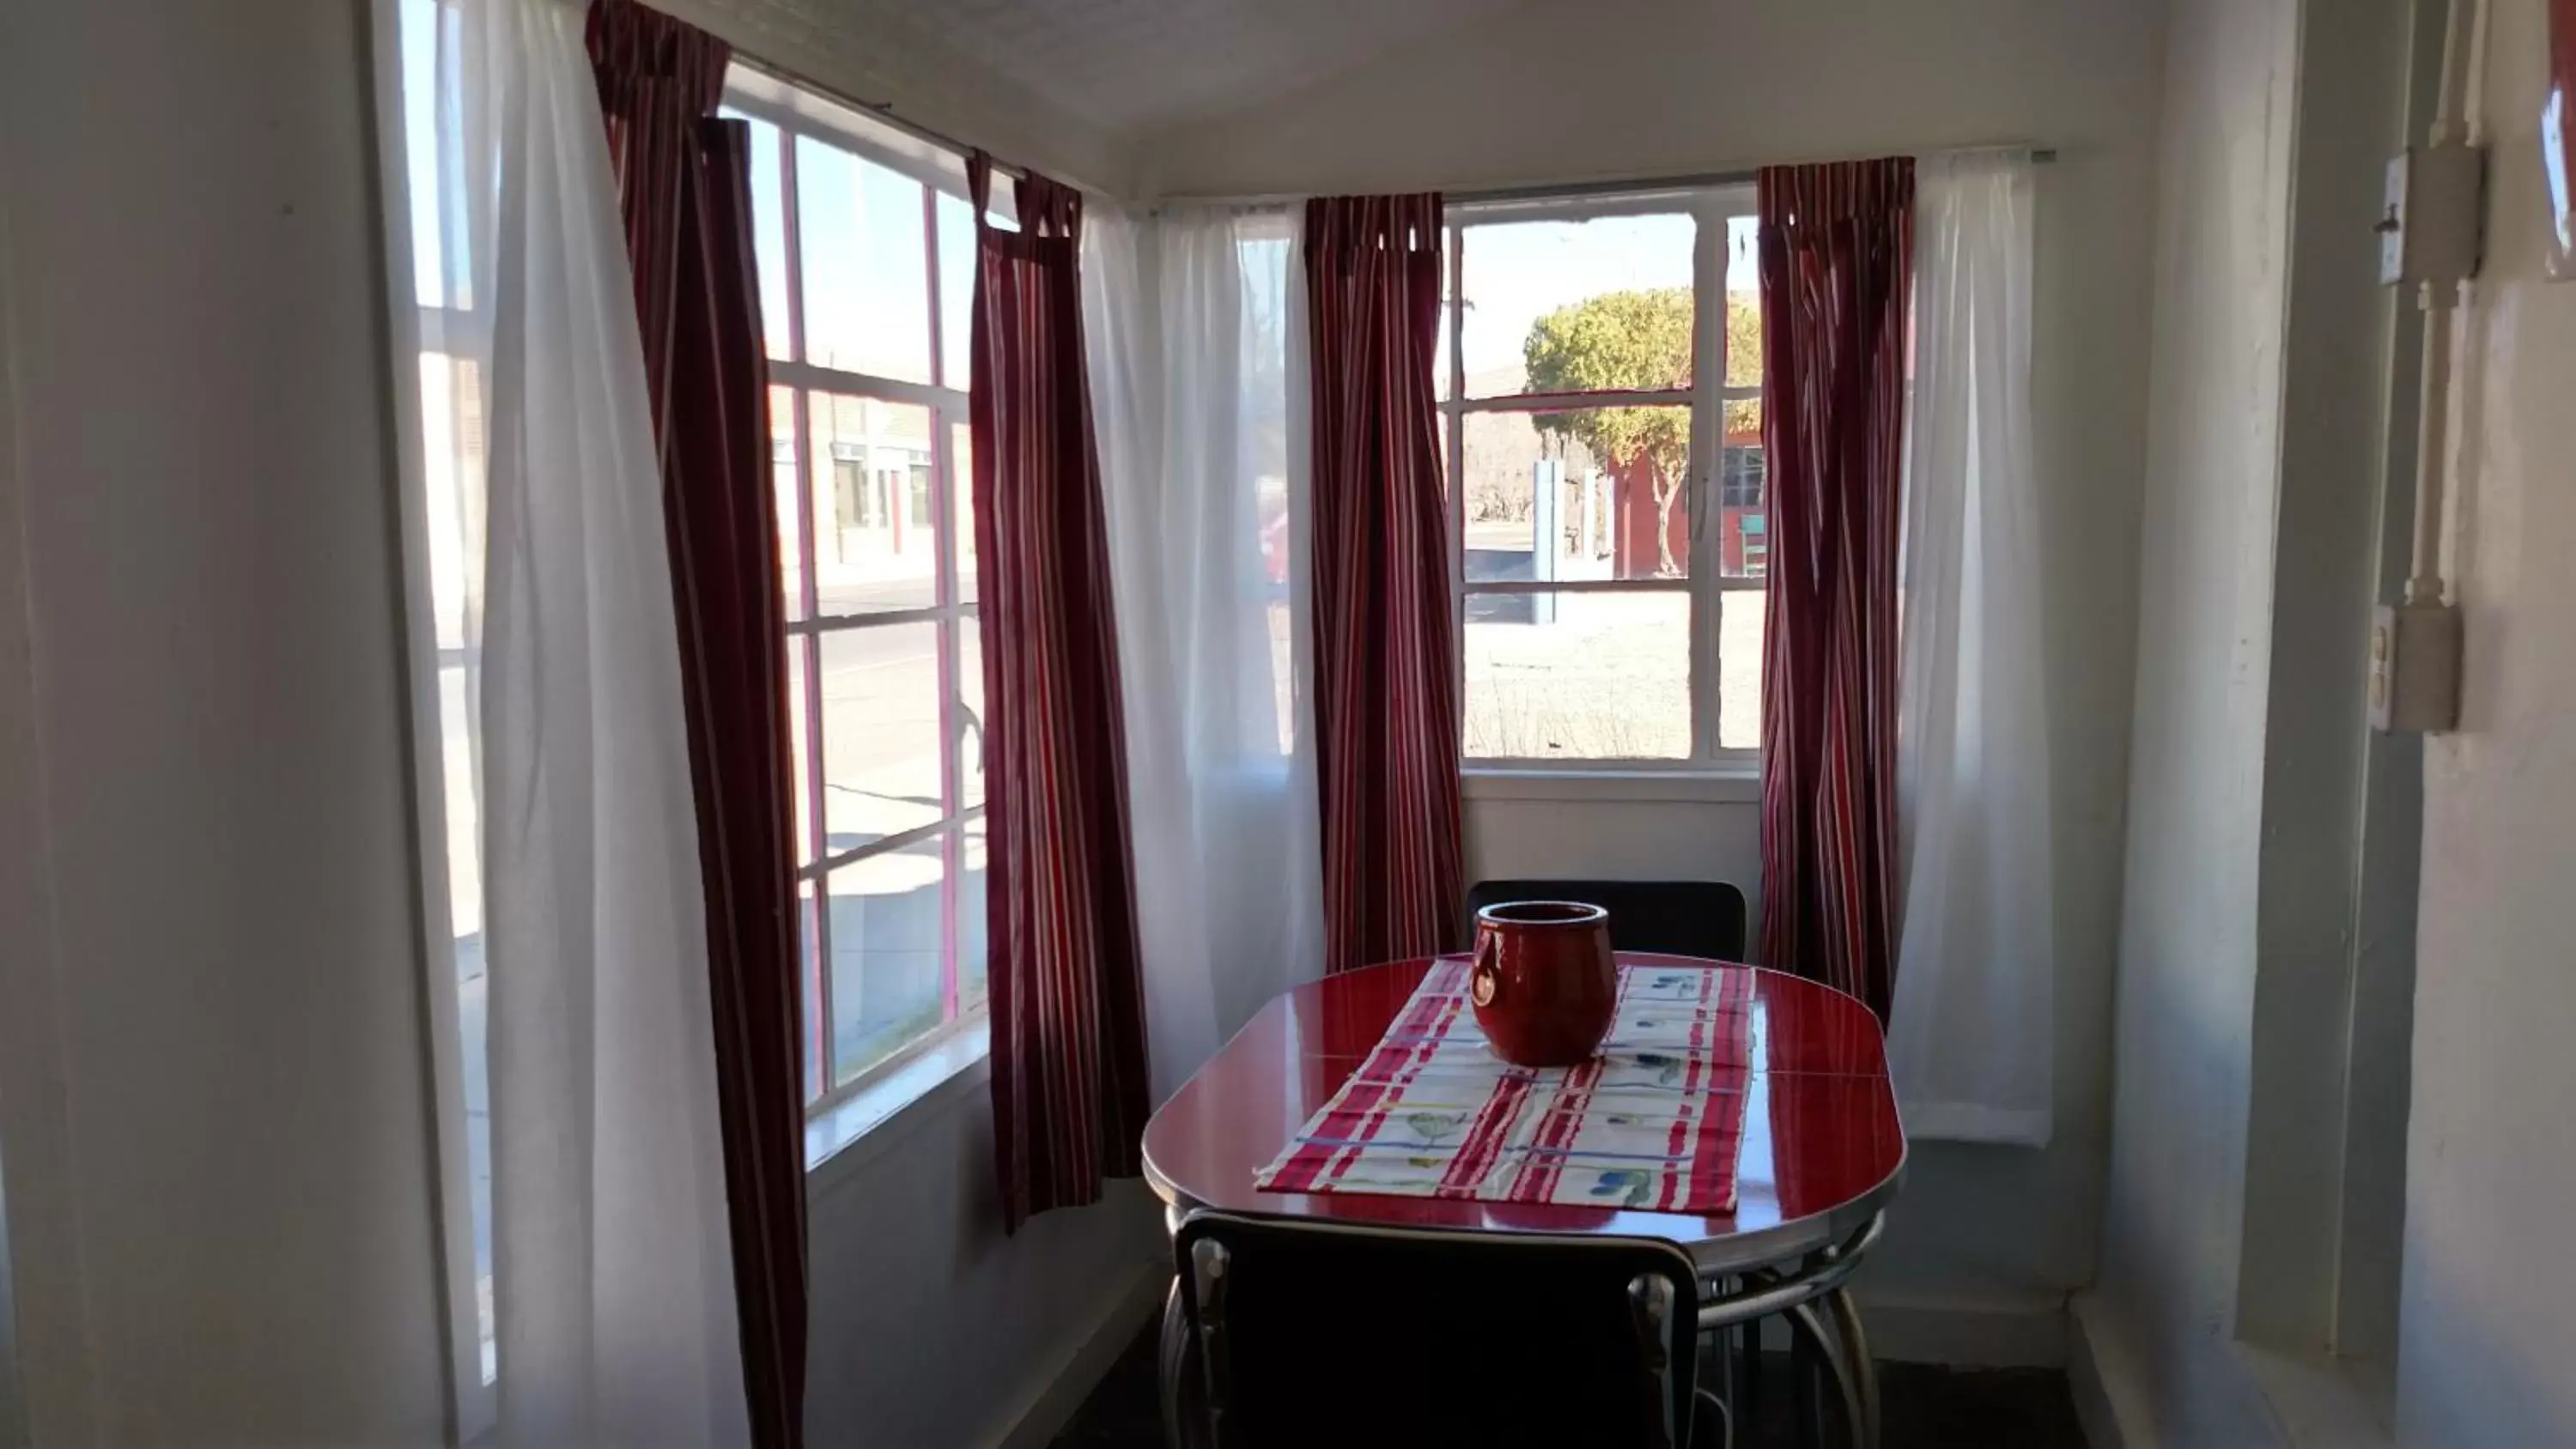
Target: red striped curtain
point(683, 185)
point(1070, 1091)
point(1837, 245)
point(1386, 651)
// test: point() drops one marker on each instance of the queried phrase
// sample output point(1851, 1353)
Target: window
point(1601, 367)
point(865, 243)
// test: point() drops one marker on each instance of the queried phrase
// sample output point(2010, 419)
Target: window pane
point(867, 280)
point(474, 1021)
point(876, 541)
point(465, 917)
point(769, 237)
point(1594, 493)
point(961, 469)
point(886, 913)
point(1739, 668)
point(1262, 453)
point(1743, 304)
point(1579, 676)
point(972, 982)
point(1560, 306)
point(451, 426)
point(802, 653)
point(791, 529)
point(1743, 538)
point(880, 690)
point(956, 292)
point(420, 22)
point(809, 973)
point(970, 711)
point(1283, 673)
point(456, 705)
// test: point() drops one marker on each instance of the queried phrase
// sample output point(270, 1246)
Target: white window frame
point(415, 330)
point(1710, 208)
point(797, 112)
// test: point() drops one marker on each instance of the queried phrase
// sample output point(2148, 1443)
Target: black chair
point(1304, 1333)
point(1683, 917)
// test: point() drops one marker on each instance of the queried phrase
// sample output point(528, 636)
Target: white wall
point(1642, 88)
point(932, 1328)
point(2188, 938)
point(1632, 831)
point(211, 1094)
point(2489, 1298)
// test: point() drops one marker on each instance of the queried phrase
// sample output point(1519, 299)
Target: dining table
point(1820, 1156)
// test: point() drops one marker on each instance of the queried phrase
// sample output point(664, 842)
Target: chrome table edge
point(1765, 1247)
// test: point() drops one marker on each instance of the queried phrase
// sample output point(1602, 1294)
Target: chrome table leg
point(1179, 1369)
point(1832, 1346)
point(1864, 1368)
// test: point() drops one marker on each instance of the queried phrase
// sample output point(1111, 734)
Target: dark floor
point(1924, 1407)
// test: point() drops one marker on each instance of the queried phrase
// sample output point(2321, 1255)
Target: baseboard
point(1965, 1334)
point(2101, 1377)
point(1054, 1405)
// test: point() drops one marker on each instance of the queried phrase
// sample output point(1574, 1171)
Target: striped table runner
point(1653, 1122)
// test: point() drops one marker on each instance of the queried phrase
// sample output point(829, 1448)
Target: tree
point(1636, 340)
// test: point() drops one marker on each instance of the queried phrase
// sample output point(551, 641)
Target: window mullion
point(889, 844)
point(791, 245)
point(1544, 402)
point(834, 623)
point(884, 389)
point(1457, 463)
point(1707, 434)
point(809, 647)
point(943, 568)
point(816, 829)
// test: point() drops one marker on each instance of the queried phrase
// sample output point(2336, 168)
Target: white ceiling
point(1131, 65)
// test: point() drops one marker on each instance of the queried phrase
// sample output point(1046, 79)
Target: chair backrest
point(1312, 1333)
point(1685, 917)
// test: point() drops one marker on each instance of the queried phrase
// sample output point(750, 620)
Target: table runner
point(1653, 1122)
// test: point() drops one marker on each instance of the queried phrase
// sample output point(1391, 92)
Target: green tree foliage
point(1635, 340)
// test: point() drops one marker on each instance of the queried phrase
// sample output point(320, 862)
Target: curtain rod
point(2039, 155)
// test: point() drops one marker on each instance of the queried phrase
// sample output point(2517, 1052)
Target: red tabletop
point(1822, 1149)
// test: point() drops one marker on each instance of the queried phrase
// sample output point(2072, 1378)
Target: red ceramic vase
point(1544, 983)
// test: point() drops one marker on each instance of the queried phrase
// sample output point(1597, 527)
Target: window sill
point(1732, 785)
point(856, 1130)
point(2322, 1400)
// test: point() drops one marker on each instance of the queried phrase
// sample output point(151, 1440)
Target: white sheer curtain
point(612, 1255)
point(1190, 318)
point(1971, 1028)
